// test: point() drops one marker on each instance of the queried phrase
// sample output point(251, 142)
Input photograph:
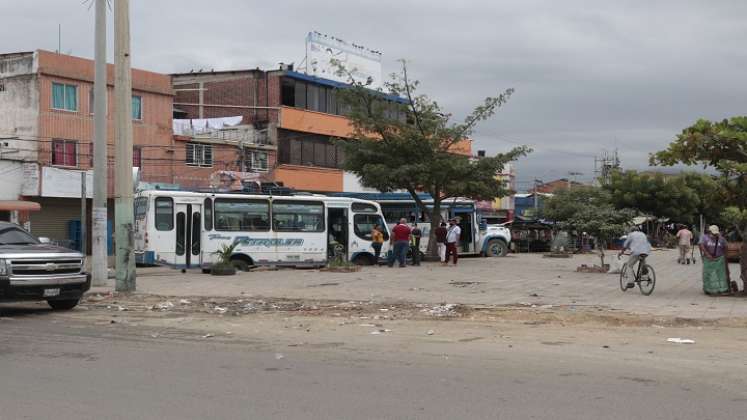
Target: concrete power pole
point(123, 191)
point(99, 234)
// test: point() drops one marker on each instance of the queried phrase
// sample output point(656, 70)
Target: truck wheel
point(496, 248)
point(240, 264)
point(63, 305)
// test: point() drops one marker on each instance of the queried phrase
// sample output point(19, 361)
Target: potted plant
point(224, 266)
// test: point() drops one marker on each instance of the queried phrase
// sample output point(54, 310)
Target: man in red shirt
point(400, 241)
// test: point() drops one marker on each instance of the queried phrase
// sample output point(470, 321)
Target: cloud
point(588, 75)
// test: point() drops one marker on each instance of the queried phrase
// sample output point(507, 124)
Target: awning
point(14, 205)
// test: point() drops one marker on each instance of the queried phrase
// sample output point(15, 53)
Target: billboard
point(363, 63)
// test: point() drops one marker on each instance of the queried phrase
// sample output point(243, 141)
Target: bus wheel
point(363, 260)
point(496, 248)
point(241, 263)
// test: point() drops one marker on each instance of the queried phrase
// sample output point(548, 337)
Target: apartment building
point(46, 135)
point(299, 114)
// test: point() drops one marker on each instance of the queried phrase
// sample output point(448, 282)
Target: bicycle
point(644, 276)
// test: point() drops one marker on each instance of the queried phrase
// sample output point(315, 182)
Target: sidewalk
point(516, 279)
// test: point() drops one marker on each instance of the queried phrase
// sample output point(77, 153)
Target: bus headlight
point(4, 271)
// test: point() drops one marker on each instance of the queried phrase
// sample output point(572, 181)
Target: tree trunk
point(435, 223)
point(743, 260)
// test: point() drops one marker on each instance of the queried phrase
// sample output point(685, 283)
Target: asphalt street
point(56, 367)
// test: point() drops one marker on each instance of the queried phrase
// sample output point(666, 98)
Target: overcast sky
point(589, 75)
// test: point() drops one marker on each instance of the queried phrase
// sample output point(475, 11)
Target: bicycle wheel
point(648, 281)
point(625, 276)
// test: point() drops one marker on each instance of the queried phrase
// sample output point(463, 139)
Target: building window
point(137, 107)
point(363, 225)
point(137, 157)
point(92, 103)
point(199, 154)
point(65, 97)
point(309, 150)
point(64, 153)
point(256, 161)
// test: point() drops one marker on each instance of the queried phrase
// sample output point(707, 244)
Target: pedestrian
point(452, 239)
point(685, 241)
point(400, 241)
point(440, 233)
point(415, 235)
point(715, 267)
point(377, 241)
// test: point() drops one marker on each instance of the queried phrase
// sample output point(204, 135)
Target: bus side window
point(164, 210)
point(208, 214)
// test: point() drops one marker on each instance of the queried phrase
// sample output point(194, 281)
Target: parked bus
point(184, 229)
point(477, 238)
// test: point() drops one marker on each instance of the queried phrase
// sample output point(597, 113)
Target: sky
point(590, 76)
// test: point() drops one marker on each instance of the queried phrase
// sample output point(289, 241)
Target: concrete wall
point(19, 107)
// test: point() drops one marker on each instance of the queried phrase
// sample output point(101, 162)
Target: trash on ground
point(279, 356)
point(442, 310)
point(164, 306)
point(184, 302)
point(207, 336)
point(678, 340)
point(220, 310)
point(430, 332)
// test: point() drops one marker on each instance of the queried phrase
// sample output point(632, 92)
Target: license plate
point(51, 292)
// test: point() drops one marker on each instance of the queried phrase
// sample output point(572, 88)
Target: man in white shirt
point(452, 240)
point(638, 244)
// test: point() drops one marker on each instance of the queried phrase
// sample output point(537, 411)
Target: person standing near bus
point(400, 241)
point(452, 239)
point(415, 235)
point(377, 241)
point(440, 233)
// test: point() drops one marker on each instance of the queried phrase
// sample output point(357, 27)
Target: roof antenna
point(59, 38)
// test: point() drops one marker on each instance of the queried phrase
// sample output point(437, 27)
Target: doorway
point(188, 234)
point(337, 228)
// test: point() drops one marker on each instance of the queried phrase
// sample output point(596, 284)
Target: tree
point(721, 146)
point(412, 145)
point(680, 198)
point(590, 210)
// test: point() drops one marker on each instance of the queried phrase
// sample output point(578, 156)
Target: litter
point(678, 340)
point(207, 336)
point(279, 356)
point(442, 310)
point(184, 302)
point(430, 332)
point(220, 310)
point(164, 306)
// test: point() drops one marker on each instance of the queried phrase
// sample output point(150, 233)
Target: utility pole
point(83, 222)
point(572, 178)
point(99, 231)
point(537, 183)
point(123, 210)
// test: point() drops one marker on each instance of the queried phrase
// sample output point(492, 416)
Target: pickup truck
point(31, 270)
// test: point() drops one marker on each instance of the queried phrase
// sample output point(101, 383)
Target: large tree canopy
point(411, 144)
point(681, 198)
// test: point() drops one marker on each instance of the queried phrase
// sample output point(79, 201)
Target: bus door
point(188, 233)
point(338, 230)
point(466, 223)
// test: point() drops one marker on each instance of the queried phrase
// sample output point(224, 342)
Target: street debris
point(442, 310)
point(163, 306)
point(184, 302)
point(208, 335)
point(678, 340)
point(430, 332)
point(220, 310)
point(279, 356)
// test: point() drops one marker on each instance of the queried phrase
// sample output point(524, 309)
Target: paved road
point(53, 367)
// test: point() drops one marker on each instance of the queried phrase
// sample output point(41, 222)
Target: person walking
point(715, 267)
point(415, 235)
point(685, 241)
point(377, 241)
point(440, 233)
point(452, 239)
point(400, 241)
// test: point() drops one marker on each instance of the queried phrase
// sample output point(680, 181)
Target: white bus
point(477, 238)
point(183, 229)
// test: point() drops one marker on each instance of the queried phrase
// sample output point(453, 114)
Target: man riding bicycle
point(639, 247)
